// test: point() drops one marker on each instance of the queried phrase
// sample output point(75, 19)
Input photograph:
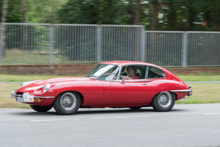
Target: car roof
point(128, 63)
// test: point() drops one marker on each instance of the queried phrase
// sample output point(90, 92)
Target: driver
point(132, 72)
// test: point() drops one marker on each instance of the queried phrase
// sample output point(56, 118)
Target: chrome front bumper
point(26, 97)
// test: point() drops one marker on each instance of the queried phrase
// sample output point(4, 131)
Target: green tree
point(13, 14)
point(211, 14)
point(43, 11)
point(98, 12)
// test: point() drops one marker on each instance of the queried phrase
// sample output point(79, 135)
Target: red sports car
point(110, 84)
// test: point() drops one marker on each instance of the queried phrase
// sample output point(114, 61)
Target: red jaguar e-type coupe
point(110, 84)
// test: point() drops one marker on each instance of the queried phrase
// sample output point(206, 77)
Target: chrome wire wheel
point(68, 101)
point(165, 99)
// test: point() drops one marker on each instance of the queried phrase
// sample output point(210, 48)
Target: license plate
point(28, 98)
point(19, 99)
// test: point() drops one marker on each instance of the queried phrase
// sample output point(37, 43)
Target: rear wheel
point(164, 101)
point(41, 108)
point(67, 103)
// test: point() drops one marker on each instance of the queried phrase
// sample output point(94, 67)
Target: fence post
point(51, 45)
point(142, 53)
point(99, 52)
point(184, 50)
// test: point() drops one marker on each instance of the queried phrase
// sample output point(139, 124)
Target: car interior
point(153, 72)
point(141, 70)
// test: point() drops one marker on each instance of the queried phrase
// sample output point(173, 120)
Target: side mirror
point(125, 78)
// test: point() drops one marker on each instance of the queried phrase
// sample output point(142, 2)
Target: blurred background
point(39, 38)
point(163, 32)
point(181, 15)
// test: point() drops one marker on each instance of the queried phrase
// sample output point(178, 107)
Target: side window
point(113, 75)
point(155, 73)
point(133, 72)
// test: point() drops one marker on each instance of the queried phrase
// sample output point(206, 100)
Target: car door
point(129, 91)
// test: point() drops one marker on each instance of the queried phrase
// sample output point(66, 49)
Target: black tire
point(41, 108)
point(134, 108)
point(67, 103)
point(163, 101)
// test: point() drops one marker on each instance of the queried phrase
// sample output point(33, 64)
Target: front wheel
point(41, 108)
point(164, 101)
point(67, 103)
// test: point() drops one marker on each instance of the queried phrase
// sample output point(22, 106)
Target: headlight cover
point(46, 87)
point(23, 84)
point(28, 82)
point(42, 89)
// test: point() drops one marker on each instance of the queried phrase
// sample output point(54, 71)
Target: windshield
point(104, 72)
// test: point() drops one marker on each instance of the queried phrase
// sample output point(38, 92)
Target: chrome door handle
point(144, 84)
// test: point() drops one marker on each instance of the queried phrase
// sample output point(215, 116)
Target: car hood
point(32, 85)
point(58, 80)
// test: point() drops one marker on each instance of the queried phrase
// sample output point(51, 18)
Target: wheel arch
point(160, 92)
point(80, 94)
point(174, 95)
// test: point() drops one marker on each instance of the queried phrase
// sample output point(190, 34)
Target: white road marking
point(122, 117)
point(41, 120)
point(211, 113)
point(60, 119)
point(49, 120)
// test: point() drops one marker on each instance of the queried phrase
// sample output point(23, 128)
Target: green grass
point(24, 78)
point(202, 93)
point(19, 56)
point(203, 77)
point(5, 96)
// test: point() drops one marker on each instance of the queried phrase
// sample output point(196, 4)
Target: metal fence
point(68, 43)
point(164, 48)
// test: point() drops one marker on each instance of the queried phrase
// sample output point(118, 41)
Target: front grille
point(19, 93)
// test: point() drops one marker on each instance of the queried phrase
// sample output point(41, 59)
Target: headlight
point(23, 84)
point(46, 87)
point(27, 83)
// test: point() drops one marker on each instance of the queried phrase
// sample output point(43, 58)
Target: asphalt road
point(186, 125)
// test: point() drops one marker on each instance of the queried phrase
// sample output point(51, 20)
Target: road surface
point(196, 125)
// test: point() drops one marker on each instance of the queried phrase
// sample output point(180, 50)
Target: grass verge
point(19, 56)
point(211, 77)
point(24, 78)
point(5, 96)
point(202, 93)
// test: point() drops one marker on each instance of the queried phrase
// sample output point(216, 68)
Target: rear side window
point(154, 72)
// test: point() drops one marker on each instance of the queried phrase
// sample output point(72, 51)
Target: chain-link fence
point(203, 49)
point(25, 43)
point(69, 43)
point(183, 49)
point(164, 48)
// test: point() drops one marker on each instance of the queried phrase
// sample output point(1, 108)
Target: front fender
point(89, 90)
